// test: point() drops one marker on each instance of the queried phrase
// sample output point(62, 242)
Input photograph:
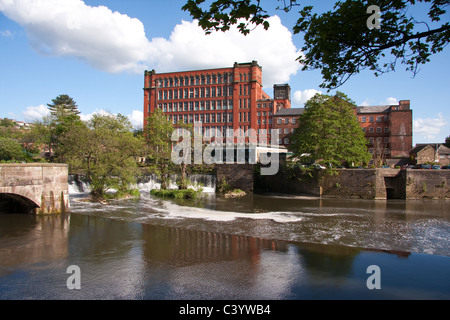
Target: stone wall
point(427, 184)
point(239, 176)
point(361, 183)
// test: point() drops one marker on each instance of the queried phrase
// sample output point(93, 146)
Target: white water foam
point(176, 212)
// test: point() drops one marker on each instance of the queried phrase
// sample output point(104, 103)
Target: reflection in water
point(129, 260)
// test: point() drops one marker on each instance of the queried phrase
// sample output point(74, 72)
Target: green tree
point(62, 106)
point(105, 150)
point(447, 142)
point(64, 114)
point(11, 150)
point(339, 42)
point(158, 133)
point(329, 133)
point(6, 123)
point(38, 138)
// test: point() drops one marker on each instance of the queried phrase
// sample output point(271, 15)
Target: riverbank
point(360, 183)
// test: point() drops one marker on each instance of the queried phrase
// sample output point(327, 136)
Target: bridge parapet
point(40, 188)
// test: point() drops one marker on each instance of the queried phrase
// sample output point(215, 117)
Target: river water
point(257, 247)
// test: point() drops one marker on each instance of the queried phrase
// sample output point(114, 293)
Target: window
point(379, 119)
point(279, 120)
point(286, 140)
point(379, 129)
point(363, 119)
point(371, 119)
point(371, 129)
point(293, 120)
point(286, 130)
point(386, 129)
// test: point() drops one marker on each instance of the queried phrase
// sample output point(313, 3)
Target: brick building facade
point(233, 98)
point(221, 99)
point(388, 128)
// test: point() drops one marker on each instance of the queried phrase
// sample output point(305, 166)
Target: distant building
point(431, 153)
point(387, 128)
point(233, 98)
point(221, 99)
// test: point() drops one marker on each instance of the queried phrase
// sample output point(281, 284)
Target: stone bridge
point(38, 188)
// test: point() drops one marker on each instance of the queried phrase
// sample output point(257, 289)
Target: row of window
point(195, 80)
point(372, 119)
point(227, 131)
point(204, 118)
point(378, 129)
point(196, 105)
point(286, 120)
point(379, 140)
point(191, 93)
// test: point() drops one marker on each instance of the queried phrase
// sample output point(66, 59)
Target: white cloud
point(390, 101)
point(35, 113)
point(365, 103)
point(6, 34)
point(301, 97)
point(107, 40)
point(137, 119)
point(114, 42)
point(189, 48)
point(429, 128)
point(87, 117)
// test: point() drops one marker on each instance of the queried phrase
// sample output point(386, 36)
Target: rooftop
point(289, 112)
point(373, 109)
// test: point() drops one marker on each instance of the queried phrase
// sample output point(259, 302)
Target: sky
point(96, 51)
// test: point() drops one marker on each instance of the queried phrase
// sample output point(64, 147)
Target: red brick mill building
point(233, 98)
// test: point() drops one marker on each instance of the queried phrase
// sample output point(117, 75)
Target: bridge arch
point(15, 203)
point(40, 188)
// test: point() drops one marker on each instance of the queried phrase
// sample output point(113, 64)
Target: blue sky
point(96, 51)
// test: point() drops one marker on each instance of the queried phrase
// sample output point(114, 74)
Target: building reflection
point(31, 239)
point(183, 247)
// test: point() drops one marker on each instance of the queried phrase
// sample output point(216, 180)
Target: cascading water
point(206, 181)
point(77, 185)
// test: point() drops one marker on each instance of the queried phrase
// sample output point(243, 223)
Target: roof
point(373, 109)
point(289, 112)
point(441, 148)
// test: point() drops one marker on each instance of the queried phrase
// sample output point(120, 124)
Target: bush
point(174, 193)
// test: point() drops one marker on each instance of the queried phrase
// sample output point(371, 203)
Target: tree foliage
point(10, 150)
point(447, 142)
point(105, 150)
point(339, 42)
point(329, 133)
point(63, 105)
point(158, 133)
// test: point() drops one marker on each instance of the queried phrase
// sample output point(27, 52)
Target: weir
point(78, 185)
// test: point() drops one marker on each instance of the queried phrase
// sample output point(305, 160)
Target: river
point(274, 247)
